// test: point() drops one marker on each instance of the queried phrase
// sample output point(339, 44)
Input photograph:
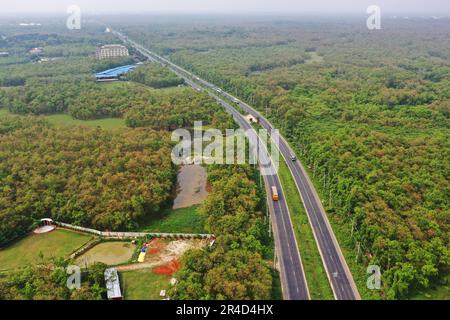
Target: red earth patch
point(168, 269)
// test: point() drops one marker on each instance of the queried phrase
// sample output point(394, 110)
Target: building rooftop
point(113, 284)
point(114, 73)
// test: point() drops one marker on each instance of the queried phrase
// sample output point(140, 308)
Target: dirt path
point(144, 265)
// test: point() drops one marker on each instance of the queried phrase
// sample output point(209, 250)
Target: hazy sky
point(226, 6)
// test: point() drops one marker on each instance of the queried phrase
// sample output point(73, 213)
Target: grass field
point(110, 253)
point(67, 120)
point(62, 120)
point(59, 243)
point(439, 292)
point(143, 285)
point(185, 220)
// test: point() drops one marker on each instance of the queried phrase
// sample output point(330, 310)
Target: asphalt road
point(339, 275)
point(293, 280)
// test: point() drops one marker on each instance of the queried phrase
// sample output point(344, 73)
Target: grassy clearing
point(316, 276)
point(64, 120)
point(438, 292)
point(143, 284)
point(59, 243)
point(185, 220)
point(110, 253)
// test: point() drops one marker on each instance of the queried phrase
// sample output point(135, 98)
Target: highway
point(293, 280)
point(339, 275)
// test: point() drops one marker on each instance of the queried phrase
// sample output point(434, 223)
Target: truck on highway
point(275, 196)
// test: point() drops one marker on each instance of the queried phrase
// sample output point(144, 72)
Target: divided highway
point(293, 280)
point(339, 275)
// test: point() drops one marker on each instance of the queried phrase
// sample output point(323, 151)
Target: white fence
point(109, 234)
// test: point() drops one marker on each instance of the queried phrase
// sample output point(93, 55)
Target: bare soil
point(164, 252)
point(192, 186)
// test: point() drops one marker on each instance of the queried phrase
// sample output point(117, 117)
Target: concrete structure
point(36, 51)
point(111, 51)
point(47, 225)
point(113, 284)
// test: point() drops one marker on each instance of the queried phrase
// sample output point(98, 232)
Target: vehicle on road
point(293, 158)
point(275, 196)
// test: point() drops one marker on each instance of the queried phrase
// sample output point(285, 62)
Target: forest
point(109, 180)
point(155, 76)
point(48, 281)
point(236, 267)
point(368, 112)
point(141, 106)
point(148, 97)
point(88, 177)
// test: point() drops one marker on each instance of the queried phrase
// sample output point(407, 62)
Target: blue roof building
point(113, 74)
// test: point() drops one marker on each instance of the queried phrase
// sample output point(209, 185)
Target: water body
point(192, 186)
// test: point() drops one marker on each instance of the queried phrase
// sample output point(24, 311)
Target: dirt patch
point(153, 247)
point(192, 186)
point(168, 269)
point(162, 252)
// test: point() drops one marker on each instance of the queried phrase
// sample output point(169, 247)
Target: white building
point(111, 51)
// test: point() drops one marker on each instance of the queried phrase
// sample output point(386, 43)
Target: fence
point(108, 234)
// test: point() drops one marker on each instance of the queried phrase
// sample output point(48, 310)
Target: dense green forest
point(234, 268)
point(65, 52)
point(66, 85)
point(109, 180)
point(155, 76)
point(141, 106)
point(48, 281)
point(90, 177)
point(367, 111)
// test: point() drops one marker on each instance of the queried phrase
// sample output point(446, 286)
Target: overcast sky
point(226, 6)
